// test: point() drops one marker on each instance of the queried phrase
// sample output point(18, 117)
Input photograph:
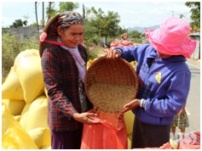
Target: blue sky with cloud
point(132, 13)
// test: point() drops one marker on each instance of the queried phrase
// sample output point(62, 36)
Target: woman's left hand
point(86, 117)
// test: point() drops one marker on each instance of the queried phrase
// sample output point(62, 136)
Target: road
point(193, 101)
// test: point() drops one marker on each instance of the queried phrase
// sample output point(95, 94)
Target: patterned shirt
point(61, 78)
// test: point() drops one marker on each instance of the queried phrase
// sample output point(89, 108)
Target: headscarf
point(49, 34)
point(66, 19)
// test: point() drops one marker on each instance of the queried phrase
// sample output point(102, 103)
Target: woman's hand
point(86, 117)
point(129, 106)
point(111, 53)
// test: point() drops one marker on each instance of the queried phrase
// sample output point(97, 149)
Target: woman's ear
point(59, 30)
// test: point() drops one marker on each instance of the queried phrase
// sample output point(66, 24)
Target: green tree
point(136, 36)
point(63, 6)
point(111, 26)
point(68, 6)
point(106, 25)
point(50, 11)
point(19, 23)
point(195, 16)
point(90, 36)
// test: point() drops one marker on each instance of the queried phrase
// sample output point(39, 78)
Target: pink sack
point(109, 134)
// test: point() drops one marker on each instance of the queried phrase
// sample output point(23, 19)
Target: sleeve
point(127, 53)
point(53, 83)
point(134, 53)
point(176, 96)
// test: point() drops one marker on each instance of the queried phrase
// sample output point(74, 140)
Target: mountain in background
point(141, 29)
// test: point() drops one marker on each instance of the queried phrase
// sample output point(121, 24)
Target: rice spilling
point(110, 98)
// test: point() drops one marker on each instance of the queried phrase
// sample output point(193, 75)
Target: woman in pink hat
point(164, 80)
point(63, 60)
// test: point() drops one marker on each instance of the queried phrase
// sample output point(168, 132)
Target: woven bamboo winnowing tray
point(110, 84)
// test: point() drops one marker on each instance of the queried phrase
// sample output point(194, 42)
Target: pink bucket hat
point(172, 38)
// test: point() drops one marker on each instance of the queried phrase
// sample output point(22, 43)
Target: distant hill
point(141, 29)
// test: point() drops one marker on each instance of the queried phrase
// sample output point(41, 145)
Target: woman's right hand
point(86, 117)
point(129, 106)
point(112, 53)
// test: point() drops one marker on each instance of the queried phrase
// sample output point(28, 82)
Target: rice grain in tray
point(110, 83)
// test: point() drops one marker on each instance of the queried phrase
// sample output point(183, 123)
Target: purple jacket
point(164, 84)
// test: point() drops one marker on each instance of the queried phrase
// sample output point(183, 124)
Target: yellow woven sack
point(47, 147)
point(17, 117)
point(11, 88)
point(28, 69)
point(129, 139)
point(13, 135)
point(34, 115)
point(15, 107)
point(39, 135)
point(17, 138)
point(46, 143)
point(129, 119)
point(7, 118)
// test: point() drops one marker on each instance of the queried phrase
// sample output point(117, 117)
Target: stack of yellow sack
point(24, 105)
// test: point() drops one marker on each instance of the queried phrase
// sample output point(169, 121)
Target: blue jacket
point(164, 84)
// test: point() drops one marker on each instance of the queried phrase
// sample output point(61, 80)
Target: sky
point(132, 13)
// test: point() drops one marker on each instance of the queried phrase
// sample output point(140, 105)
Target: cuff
point(119, 50)
point(142, 103)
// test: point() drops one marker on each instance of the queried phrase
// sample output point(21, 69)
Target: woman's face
point(72, 36)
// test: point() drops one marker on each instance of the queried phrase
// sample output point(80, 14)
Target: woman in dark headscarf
point(63, 61)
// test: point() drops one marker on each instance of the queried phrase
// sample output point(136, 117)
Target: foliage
point(101, 27)
point(63, 6)
point(90, 34)
point(195, 16)
point(18, 23)
point(50, 11)
point(106, 24)
point(11, 47)
point(68, 6)
point(136, 36)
